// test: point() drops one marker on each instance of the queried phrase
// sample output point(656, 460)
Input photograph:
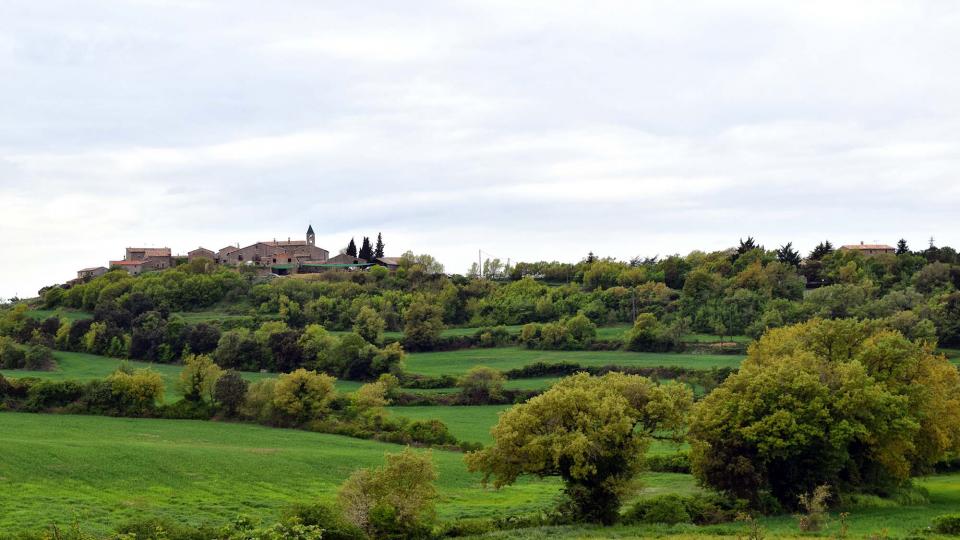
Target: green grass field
point(68, 314)
point(108, 470)
point(84, 367)
point(472, 423)
point(458, 362)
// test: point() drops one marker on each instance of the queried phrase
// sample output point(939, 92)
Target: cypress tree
point(366, 252)
point(352, 248)
point(378, 251)
point(902, 247)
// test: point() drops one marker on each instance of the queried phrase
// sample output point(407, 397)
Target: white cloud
point(533, 130)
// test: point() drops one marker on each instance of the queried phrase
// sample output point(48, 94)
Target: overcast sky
point(529, 129)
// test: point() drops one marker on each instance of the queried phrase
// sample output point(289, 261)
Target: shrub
point(325, 516)
point(230, 391)
point(432, 432)
point(469, 527)
point(303, 395)
point(39, 358)
point(669, 509)
point(393, 501)
point(481, 385)
point(258, 403)
point(678, 462)
point(11, 355)
point(137, 393)
point(648, 334)
point(49, 394)
point(947, 524)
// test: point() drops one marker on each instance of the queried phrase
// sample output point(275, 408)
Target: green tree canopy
point(841, 402)
point(590, 431)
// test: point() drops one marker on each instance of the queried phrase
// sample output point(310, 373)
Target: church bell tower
point(311, 238)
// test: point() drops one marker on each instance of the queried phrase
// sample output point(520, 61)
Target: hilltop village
point(280, 257)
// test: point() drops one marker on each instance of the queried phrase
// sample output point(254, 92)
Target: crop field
point(83, 367)
point(109, 470)
point(504, 358)
point(106, 471)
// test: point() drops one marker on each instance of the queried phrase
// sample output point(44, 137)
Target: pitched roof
point(389, 260)
point(92, 268)
point(310, 229)
point(201, 248)
point(126, 263)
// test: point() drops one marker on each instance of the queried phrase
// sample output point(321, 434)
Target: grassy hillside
point(458, 362)
point(473, 423)
point(107, 470)
point(83, 367)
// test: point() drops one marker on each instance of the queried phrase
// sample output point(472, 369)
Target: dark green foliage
point(325, 516)
point(787, 255)
point(672, 509)
point(650, 335)
point(229, 392)
point(947, 524)
point(669, 509)
point(351, 248)
point(678, 462)
point(12, 356)
point(577, 332)
point(39, 358)
point(51, 394)
point(423, 323)
point(366, 251)
point(902, 248)
point(378, 249)
point(432, 432)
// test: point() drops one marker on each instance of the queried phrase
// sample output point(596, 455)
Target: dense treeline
point(284, 324)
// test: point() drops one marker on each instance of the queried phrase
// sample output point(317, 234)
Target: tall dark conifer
point(366, 252)
point(378, 251)
point(787, 255)
point(352, 248)
point(902, 247)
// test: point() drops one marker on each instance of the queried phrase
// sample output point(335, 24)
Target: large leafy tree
point(840, 402)
point(590, 431)
point(423, 323)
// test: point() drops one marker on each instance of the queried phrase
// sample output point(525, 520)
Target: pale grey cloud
point(535, 129)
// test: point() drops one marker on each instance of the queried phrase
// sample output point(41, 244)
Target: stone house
point(201, 253)
point(90, 273)
point(870, 249)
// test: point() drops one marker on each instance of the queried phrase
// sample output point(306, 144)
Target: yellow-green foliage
point(591, 431)
point(139, 390)
point(199, 377)
point(303, 395)
point(397, 497)
point(838, 402)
